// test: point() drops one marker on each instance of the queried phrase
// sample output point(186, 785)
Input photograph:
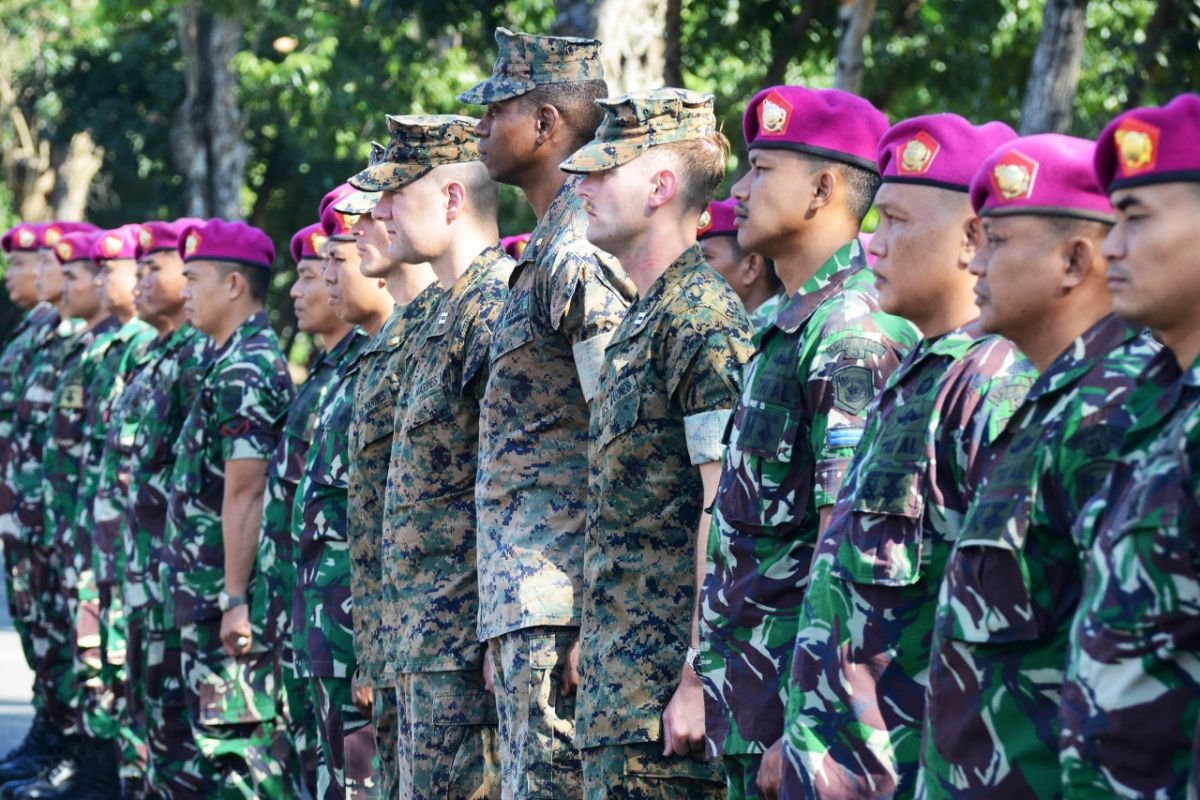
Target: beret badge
point(191, 243)
point(26, 237)
point(773, 114)
point(52, 235)
point(111, 246)
point(317, 241)
point(1014, 175)
point(1137, 146)
point(64, 250)
point(705, 221)
point(918, 153)
point(145, 238)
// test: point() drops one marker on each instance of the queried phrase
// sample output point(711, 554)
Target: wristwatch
point(227, 601)
point(690, 659)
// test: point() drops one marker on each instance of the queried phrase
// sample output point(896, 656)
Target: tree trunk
point(1055, 71)
point(673, 48)
point(787, 42)
point(1167, 16)
point(855, 16)
point(633, 32)
point(207, 139)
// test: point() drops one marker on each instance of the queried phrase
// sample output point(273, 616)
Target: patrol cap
point(1151, 145)
point(235, 242)
point(116, 244)
point(525, 62)
point(76, 246)
point(336, 225)
point(718, 219)
point(419, 142)
point(158, 235)
point(307, 242)
point(827, 123)
point(515, 245)
point(940, 150)
point(357, 203)
point(1045, 175)
point(633, 123)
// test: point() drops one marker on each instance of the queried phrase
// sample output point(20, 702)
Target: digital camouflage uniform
point(322, 629)
point(32, 332)
point(668, 385)
point(565, 299)
point(112, 443)
point(378, 372)
point(1131, 701)
point(448, 733)
point(1013, 579)
point(857, 691)
point(271, 597)
point(233, 702)
point(169, 381)
point(801, 415)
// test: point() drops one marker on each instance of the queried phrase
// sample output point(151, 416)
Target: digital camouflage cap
point(418, 144)
point(525, 62)
point(634, 123)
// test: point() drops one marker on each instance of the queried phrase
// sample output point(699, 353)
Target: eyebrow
point(1127, 202)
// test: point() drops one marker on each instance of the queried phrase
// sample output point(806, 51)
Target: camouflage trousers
point(115, 719)
point(641, 772)
point(386, 726)
point(173, 756)
point(447, 738)
point(347, 767)
point(302, 724)
point(51, 633)
point(20, 602)
point(537, 723)
point(741, 776)
point(233, 704)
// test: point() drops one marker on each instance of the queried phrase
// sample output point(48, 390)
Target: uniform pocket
point(882, 543)
point(236, 691)
point(617, 418)
point(515, 328)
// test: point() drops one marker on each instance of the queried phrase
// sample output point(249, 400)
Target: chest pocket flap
point(616, 416)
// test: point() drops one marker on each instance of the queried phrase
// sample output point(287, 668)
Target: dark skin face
point(508, 133)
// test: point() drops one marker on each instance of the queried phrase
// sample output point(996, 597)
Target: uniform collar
point(255, 323)
point(821, 285)
point(1082, 354)
point(680, 269)
point(565, 210)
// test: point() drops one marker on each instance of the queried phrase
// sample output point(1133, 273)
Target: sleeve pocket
point(883, 542)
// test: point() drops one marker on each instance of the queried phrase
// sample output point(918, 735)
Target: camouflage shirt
point(380, 370)
point(105, 367)
point(857, 690)
point(321, 626)
point(168, 383)
point(27, 341)
point(431, 597)
point(801, 415)
point(763, 316)
point(1013, 578)
point(271, 598)
point(31, 431)
point(235, 415)
point(1131, 701)
point(566, 299)
point(667, 388)
point(62, 456)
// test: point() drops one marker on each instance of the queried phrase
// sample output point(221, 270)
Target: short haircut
point(483, 193)
point(700, 164)
point(1067, 227)
point(576, 104)
point(740, 253)
point(258, 279)
point(861, 184)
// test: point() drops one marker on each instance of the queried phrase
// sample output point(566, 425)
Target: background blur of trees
point(123, 111)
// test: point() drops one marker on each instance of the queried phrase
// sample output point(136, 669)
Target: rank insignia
point(26, 237)
point(1137, 146)
point(111, 246)
point(917, 154)
point(191, 243)
point(773, 114)
point(1014, 175)
point(72, 396)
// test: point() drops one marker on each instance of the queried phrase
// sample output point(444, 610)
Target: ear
point(235, 284)
point(972, 237)
point(456, 200)
point(664, 186)
point(825, 184)
point(751, 269)
point(1079, 256)
point(547, 122)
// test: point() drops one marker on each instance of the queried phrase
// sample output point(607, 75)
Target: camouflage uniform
point(1131, 700)
point(322, 630)
point(1013, 579)
point(271, 596)
point(668, 386)
point(429, 545)
point(232, 701)
point(857, 691)
point(566, 299)
point(32, 332)
point(168, 382)
point(378, 372)
point(800, 417)
point(765, 313)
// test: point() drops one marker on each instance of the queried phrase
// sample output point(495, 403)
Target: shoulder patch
point(852, 388)
point(856, 347)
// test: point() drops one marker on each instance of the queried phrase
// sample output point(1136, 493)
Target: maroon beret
point(1046, 175)
point(827, 123)
point(218, 240)
point(336, 224)
point(76, 246)
point(515, 245)
point(1151, 145)
point(118, 243)
point(942, 150)
point(306, 243)
point(333, 195)
point(157, 235)
point(718, 219)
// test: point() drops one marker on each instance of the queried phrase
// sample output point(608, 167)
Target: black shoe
point(51, 778)
point(42, 747)
point(8, 789)
point(93, 775)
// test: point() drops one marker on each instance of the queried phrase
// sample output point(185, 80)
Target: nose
point(382, 210)
point(740, 190)
point(484, 126)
